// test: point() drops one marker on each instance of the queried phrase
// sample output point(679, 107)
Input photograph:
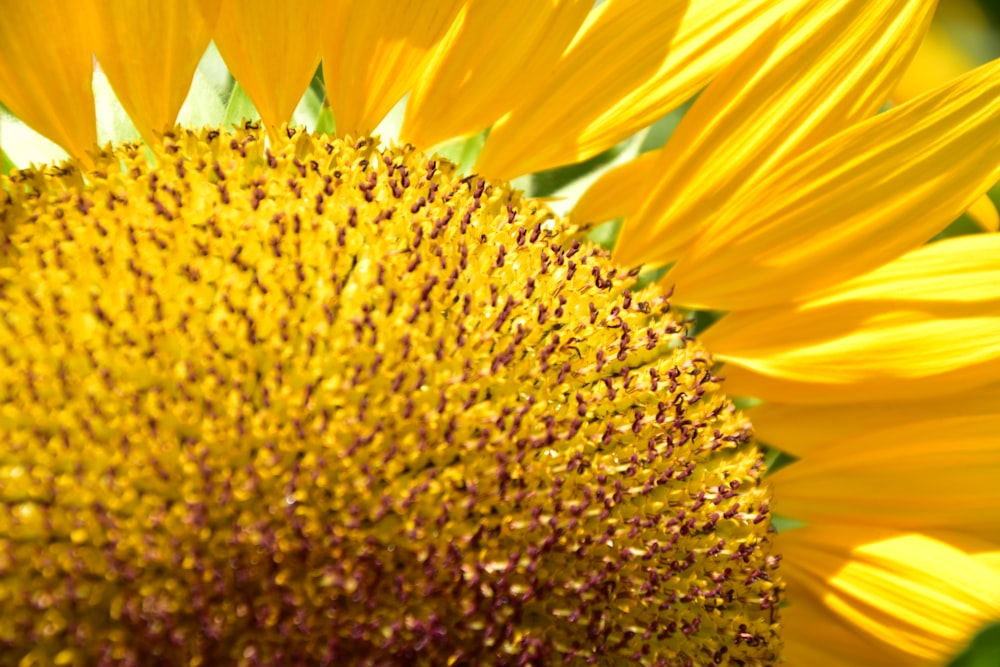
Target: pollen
point(328, 402)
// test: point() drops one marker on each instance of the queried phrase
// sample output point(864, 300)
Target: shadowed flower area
point(271, 395)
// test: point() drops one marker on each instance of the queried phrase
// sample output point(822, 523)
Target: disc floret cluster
point(330, 402)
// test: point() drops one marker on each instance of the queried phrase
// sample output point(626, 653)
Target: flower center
point(331, 402)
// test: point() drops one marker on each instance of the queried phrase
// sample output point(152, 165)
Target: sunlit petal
point(991, 560)
point(374, 51)
point(635, 61)
point(925, 325)
point(939, 59)
point(798, 85)
point(272, 50)
point(498, 52)
point(149, 51)
point(852, 203)
point(923, 598)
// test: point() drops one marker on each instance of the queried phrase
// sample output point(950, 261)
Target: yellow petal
point(374, 51)
point(925, 325)
point(984, 212)
point(852, 203)
point(619, 192)
point(497, 53)
point(787, 93)
point(921, 598)
point(814, 637)
point(991, 560)
point(928, 475)
point(859, 354)
point(149, 51)
point(634, 61)
point(938, 60)
point(46, 67)
point(961, 269)
point(804, 429)
point(271, 50)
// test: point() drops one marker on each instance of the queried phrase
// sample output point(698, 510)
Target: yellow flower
point(781, 199)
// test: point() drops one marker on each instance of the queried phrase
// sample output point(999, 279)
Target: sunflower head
point(325, 401)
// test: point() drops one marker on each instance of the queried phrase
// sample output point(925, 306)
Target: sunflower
point(274, 396)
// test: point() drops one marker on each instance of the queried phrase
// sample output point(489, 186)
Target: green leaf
point(984, 651)
point(318, 116)
point(308, 111)
point(213, 71)
point(6, 166)
point(203, 105)
point(784, 524)
point(606, 235)
point(388, 128)
point(113, 123)
point(325, 124)
point(240, 108)
point(660, 131)
point(552, 181)
point(565, 185)
point(702, 319)
point(775, 460)
point(463, 151)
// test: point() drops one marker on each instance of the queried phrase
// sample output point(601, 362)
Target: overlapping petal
point(984, 212)
point(816, 638)
point(273, 51)
point(803, 429)
point(921, 598)
point(634, 61)
point(938, 60)
point(149, 50)
point(898, 478)
point(374, 52)
point(858, 200)
point(498, 52)
point(46, 82)
point(925, 325)
point(991, 559)
point(964, 269)
point(620, 191)
point(799, 84)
